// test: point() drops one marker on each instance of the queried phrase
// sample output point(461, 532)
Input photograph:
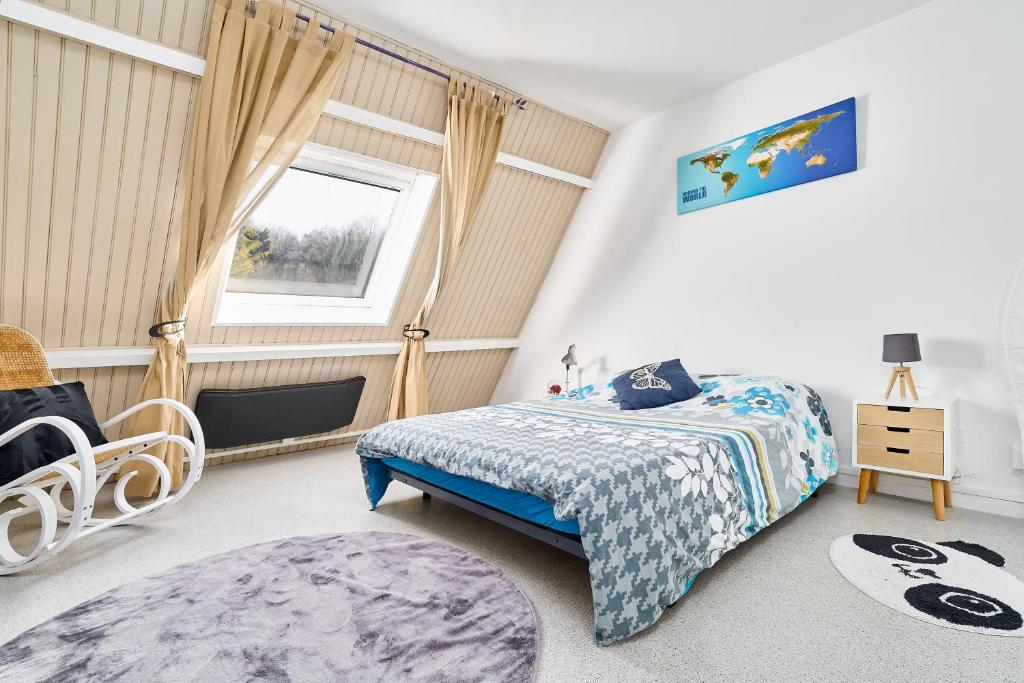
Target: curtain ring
point(155, 331)
point(409, 332)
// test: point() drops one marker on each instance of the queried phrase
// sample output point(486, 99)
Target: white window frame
point(416, 191)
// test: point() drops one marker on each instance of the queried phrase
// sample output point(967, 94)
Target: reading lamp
point(569, 360)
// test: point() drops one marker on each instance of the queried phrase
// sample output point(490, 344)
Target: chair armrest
point(82, 455)
point(127, 442)
point(190, 418)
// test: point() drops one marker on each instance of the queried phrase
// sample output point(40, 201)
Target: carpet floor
point(774, 608)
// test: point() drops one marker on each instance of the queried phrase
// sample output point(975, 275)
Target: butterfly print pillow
point(654, 385)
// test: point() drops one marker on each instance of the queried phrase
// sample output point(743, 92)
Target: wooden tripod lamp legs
point(893, 376)
point(910, 382)
point(902, 373)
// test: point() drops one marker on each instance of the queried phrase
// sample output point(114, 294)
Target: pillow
point(654, 385)
point(604, 388)
point(44, 444)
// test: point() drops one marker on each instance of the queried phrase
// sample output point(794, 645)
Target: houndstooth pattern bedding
point(660, 494)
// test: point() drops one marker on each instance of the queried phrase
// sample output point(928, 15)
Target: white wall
point(803, 282)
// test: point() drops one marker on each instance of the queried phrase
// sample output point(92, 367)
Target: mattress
point(524, 506)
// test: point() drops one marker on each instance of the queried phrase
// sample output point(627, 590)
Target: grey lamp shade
point(570, 357)
point(901, 348)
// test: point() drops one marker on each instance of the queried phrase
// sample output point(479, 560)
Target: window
point(328, 245)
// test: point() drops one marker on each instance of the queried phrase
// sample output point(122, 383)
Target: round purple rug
point(359, 606)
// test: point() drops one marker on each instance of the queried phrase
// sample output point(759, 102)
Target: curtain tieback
point(179, 328)
point(409, 332)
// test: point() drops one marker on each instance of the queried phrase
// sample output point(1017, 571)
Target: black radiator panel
point(238, 417)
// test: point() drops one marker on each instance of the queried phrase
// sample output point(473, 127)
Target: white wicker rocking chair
point(23, 365)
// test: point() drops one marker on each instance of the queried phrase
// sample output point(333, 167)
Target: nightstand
point(912, 438)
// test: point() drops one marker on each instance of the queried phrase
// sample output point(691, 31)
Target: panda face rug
point(951, 583)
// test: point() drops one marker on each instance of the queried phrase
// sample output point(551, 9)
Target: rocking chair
point(23, 365)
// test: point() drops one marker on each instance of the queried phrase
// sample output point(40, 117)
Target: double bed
point(649, 497)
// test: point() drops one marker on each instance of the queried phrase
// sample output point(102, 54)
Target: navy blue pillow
point(654, 385)
point(43, 445)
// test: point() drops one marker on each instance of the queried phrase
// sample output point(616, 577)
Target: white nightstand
point(903, 436)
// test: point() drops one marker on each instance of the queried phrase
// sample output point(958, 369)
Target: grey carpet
point(807, 615)
point(356, 606)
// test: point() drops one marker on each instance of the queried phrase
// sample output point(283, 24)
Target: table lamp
point(569, 360)
point(901, 348)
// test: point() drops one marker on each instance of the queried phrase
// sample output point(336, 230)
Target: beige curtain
point(472, 137)
point(262, 92)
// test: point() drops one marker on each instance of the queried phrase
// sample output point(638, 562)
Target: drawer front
point(897, 416)
point(900, 437)
point(926, 462)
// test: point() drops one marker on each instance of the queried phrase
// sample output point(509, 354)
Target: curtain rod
point(520, 103)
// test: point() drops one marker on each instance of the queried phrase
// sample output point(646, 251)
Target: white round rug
point(950, 583)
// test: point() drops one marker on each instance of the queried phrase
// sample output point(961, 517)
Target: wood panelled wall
point(456, 380)
point(92, 161)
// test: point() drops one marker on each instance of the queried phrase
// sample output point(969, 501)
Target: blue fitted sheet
point(515, 503)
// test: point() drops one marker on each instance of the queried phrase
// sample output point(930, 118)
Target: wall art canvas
point(816, 145)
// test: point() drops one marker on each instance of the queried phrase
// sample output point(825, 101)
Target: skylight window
point(329, 245)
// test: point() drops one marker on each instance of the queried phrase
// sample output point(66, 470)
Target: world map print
point(817, 145)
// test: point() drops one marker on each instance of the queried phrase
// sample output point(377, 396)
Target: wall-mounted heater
point(237, 417)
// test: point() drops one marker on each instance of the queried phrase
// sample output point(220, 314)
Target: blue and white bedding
point(660, 494)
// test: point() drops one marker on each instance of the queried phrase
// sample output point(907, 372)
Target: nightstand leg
point(862, 490)
point(873, 486)
point(947, 493)
point(939, 499)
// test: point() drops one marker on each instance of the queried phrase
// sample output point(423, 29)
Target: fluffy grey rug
point(955, 584)
point(360, 606)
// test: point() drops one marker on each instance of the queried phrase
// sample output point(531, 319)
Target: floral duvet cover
point(660, 494)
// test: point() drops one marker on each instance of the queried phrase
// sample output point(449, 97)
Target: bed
point(649, 497)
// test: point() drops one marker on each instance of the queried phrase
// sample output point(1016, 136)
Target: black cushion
point(44, 444)
point(654, 385)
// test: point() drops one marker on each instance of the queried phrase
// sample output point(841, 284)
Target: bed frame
point(567, 542)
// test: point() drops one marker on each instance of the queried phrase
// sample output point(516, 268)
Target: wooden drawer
point(915, 460)
point(900, 437)
point(898, 416)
